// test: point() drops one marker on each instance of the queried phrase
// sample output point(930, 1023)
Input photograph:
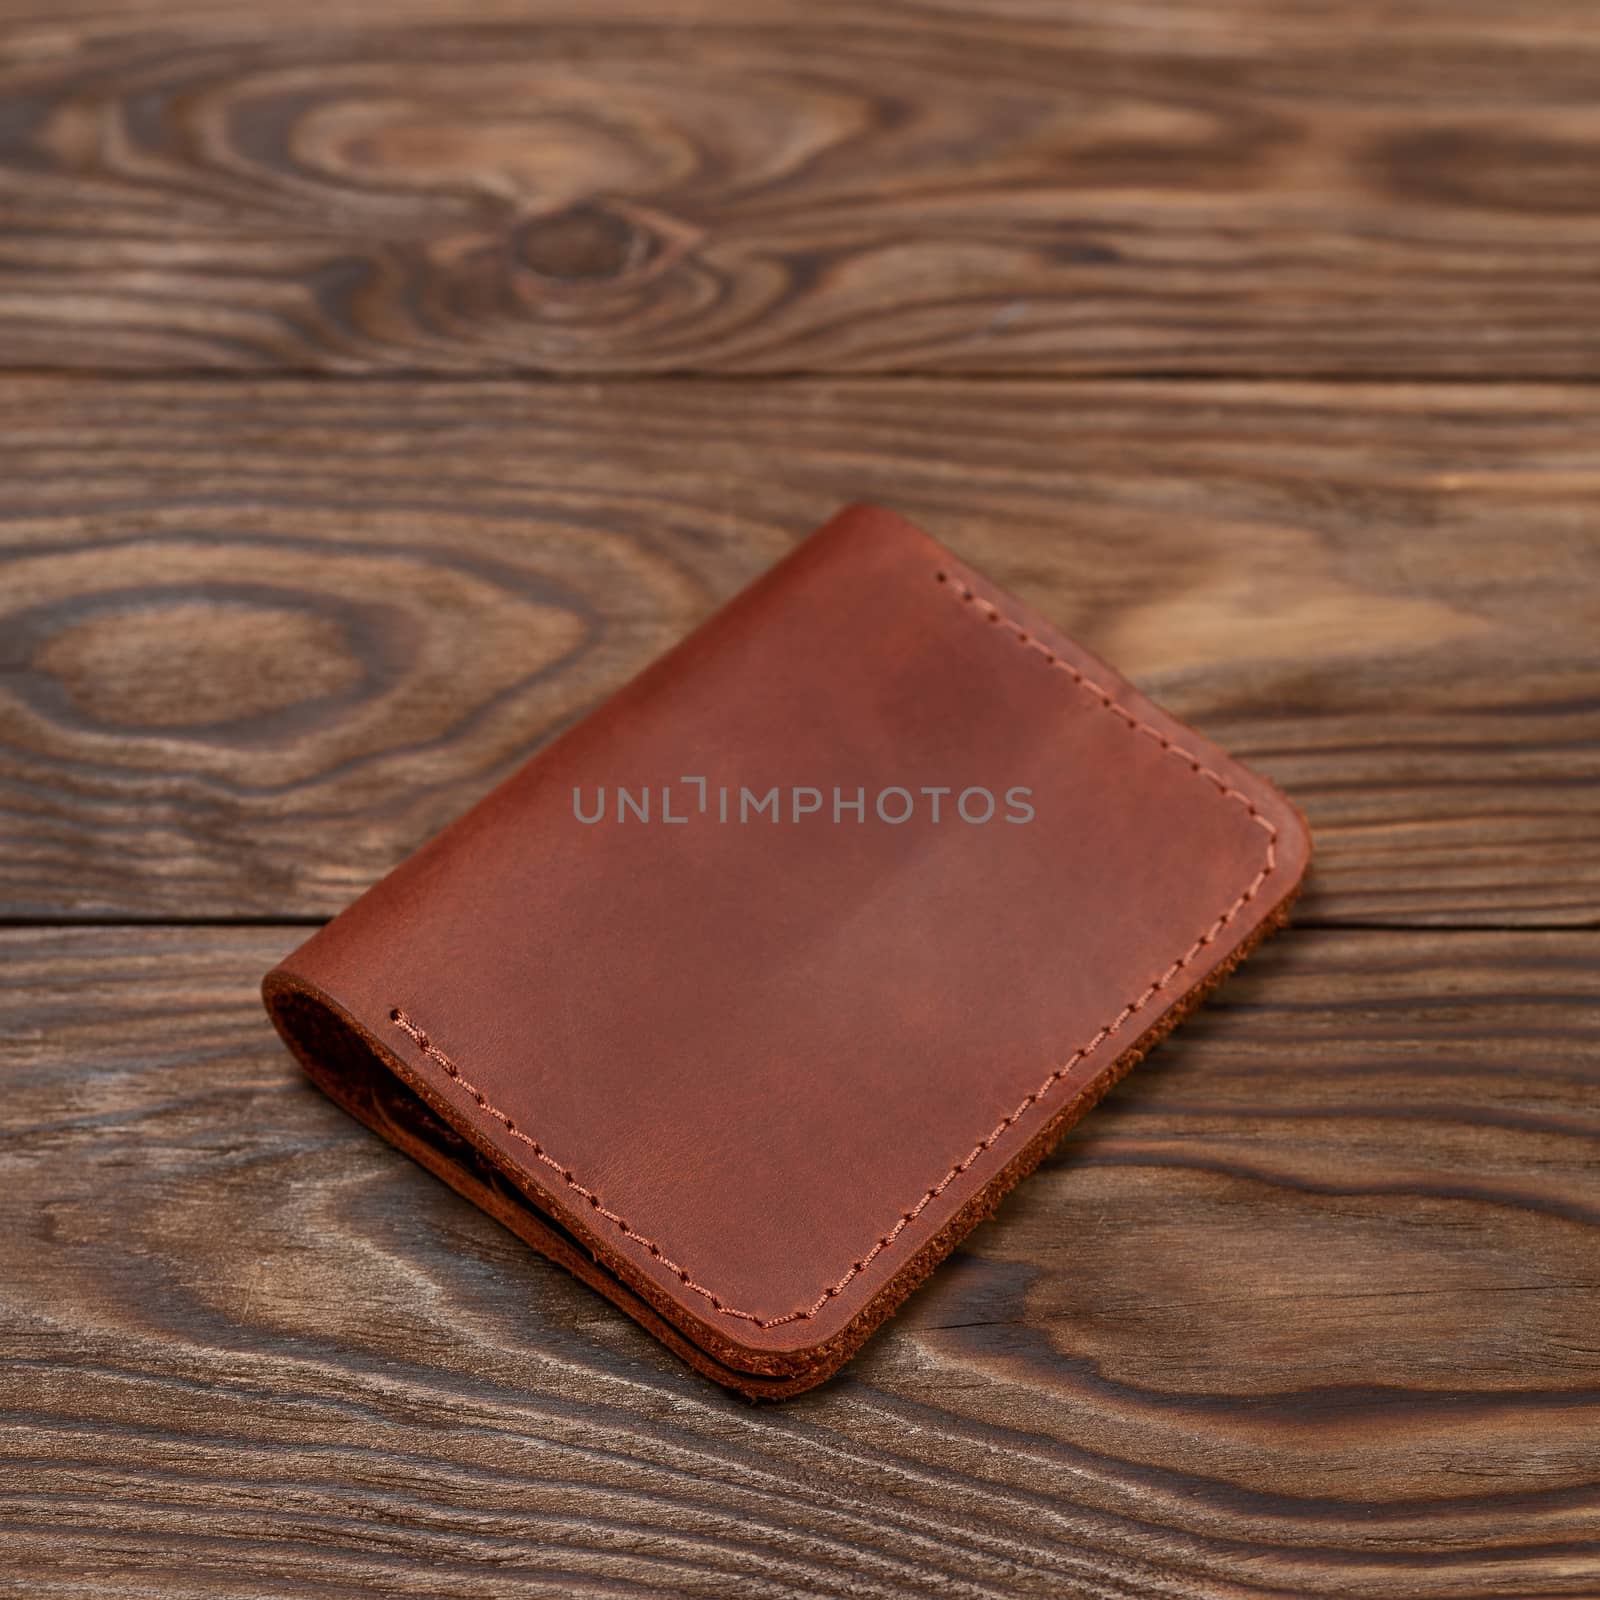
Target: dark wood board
point(1306, 1308)
point(1274, 187)
point(259, 639)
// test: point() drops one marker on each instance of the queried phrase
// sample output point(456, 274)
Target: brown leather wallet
point(751, 994)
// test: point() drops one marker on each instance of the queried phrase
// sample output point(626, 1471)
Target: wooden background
point(383, 381)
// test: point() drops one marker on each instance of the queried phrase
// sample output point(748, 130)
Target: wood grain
point(1306, 1308)
point(1240, 186)
point(259, 640)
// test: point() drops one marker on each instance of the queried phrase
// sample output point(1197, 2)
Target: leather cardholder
point(750, 995)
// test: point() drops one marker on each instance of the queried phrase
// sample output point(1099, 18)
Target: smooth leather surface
point(760, 1077)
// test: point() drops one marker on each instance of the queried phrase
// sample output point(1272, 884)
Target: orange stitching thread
point(431, 1050)
point(1106, 701)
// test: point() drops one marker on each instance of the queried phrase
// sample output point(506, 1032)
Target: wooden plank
point(1306, 1308)
point(259, 640)
point(785, 185)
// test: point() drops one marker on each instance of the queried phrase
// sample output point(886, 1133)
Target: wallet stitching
point(1107, 702)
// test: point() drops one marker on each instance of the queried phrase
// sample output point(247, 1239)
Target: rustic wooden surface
point(267, 637)
point(1306, 1308)
point(302, 546)
point(1267, 186)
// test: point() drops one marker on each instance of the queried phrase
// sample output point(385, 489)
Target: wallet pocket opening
point(347, 1068)
point(355, 1073)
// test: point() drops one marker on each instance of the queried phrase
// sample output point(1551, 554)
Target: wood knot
point(585, 243)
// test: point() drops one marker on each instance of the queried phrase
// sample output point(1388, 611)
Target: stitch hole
point(395, 1014)
point(941, 577)
point(655, 1250)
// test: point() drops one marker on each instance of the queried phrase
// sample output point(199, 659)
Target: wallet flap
point(766, 1060)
